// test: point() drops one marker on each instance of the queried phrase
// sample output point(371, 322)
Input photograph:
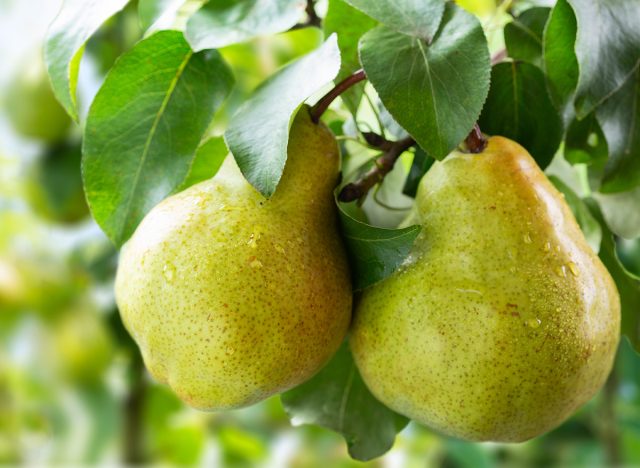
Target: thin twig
point(382, 166)
point(327, 99)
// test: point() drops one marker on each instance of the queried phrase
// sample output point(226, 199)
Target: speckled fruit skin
point(502, 321)
point(232, 297)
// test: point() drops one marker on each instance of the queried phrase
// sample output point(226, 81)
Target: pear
point(233, 297)
point(502, 321)
point(31, 106)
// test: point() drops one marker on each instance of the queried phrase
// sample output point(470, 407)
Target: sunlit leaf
point(77, 21)
point(145, 125)
point(224, 22)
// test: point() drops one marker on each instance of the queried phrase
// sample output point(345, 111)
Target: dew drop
point(547, 247)
point(279, 248)
point(561, 271)
point(255, 263)
point(574, 269)
point(527, 238)
point(533, 323)
point(168, 271)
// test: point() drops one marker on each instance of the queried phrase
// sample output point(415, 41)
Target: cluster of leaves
point(571, 81)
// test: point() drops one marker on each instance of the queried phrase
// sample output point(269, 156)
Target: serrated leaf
point(259, 132)
point(628, 284)
point(150, 11)
point(523, 36)
point(418, 18)
point(145, 125)
point(337, 398)
point(349, 24)
point(519, 108)
point(621, 211)
point(588, 224)
point(619, 117)
point(374, 252)
point(560, 61)
point(435, 91)
point(584, 142)
point(208, 158)
point(224, 22)
point(607, 47)
point(419, 167)
point(77, 21)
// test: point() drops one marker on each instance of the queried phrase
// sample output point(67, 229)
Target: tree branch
point(327, 99)
point(382, 166)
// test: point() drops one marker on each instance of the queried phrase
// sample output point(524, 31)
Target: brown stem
point(382, 166)
point(327, 99)
point(475, 141)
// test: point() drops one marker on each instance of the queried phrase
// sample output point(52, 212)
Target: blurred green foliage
point(72, 388)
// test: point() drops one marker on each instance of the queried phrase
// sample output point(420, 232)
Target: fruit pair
point(498, 325)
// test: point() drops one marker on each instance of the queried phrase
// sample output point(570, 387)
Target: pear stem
point(382, 166)
point(327, 99)
point(475, 141)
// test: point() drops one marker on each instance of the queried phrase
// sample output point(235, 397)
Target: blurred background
point(72, 386)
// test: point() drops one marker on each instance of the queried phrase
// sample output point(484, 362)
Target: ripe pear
point(502, 321)
point(233, 297)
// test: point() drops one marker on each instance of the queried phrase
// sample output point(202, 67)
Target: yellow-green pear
point(502, 321)
point(233, 297)
point(32, 108)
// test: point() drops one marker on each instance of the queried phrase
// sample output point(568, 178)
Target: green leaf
point(418, 18)
point(419, 167)
point(518, 107)
point(584, 142)
point(588, 224)
point(621, 211)
point(224, 22)
point(208, 159)
point(560, 62)
point(145, 125)
point(607, 47)
point(150, 11)
point(77, 21)
point(435, 91)
point(374, 253)
point(619, 117)
point(337, 398)
point(628, 284)
point(349, 24)
point(259, 132)
point(523, 37)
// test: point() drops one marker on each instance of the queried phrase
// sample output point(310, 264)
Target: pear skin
point(233, 297)
point(502, 321)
